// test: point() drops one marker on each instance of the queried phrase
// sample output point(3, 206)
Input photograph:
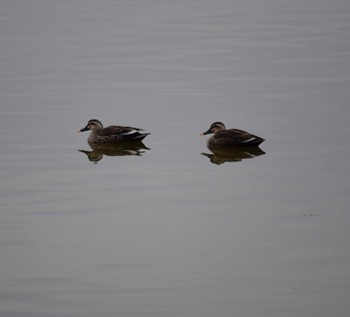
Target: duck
point(230, 137)
point(112, 134)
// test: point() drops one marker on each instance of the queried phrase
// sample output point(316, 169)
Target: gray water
point(172, 231)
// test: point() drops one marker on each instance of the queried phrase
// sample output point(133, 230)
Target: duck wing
point(118, 134)
point(238, 137)
point(117, 130)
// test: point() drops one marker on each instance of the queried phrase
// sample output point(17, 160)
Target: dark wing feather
point(115, 130)
point(236, 136)
point(232, 134)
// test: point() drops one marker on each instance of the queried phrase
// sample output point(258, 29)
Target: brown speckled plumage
point(230, 137)
point(112, 134)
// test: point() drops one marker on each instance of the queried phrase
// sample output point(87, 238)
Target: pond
point(171, 228)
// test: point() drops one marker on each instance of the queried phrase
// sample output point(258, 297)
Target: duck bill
point(206, 132)
point(84, 129)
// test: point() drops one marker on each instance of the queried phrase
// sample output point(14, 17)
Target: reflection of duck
point(112, 134)
point(123, 149)
point(230, 137)
point(233, 154)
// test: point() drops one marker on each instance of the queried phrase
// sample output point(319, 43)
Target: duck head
point(215, 128)
point(92, 125)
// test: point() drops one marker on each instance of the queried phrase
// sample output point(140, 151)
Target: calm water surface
point(174, 230)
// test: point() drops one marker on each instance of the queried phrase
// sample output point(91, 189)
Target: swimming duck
point(112, 134)
point(230, 137)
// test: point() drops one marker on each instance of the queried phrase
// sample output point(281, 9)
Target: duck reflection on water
point(234, 154)
point(122, 149)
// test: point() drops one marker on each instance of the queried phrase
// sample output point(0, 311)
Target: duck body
point(230, 137)
point(113, 134)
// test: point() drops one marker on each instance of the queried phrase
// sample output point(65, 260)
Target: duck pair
point(123, 134)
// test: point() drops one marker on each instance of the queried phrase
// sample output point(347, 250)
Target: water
point(170, 232)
